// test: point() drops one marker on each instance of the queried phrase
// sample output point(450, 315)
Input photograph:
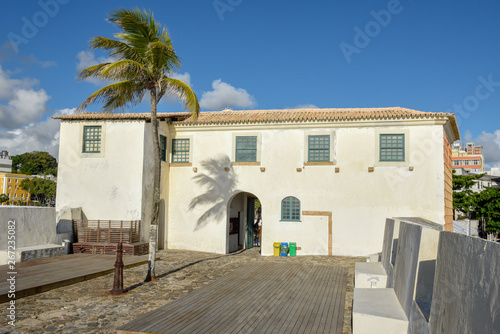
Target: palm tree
point(144, 62)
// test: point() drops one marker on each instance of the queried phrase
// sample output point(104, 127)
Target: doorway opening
point(244, 222)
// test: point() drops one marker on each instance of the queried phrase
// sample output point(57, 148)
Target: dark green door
point(250, 218)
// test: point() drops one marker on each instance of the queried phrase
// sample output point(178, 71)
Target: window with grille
point(290, 209)
point(246, 148)
point(92, 139)
point(180, 150)
point(319, 148)
point(392, 147)
point(163, 148)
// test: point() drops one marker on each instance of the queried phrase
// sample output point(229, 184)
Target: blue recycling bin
point(284, 249)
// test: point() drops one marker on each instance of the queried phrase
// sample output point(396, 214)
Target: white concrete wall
point(106, 185)
point(466, 286)
point(34, 226)
point(360, 201)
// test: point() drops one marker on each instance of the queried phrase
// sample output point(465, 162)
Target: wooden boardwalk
point(36, 276)
point(256, 298)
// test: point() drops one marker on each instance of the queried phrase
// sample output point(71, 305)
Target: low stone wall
point(34, 226)
point(37, 231)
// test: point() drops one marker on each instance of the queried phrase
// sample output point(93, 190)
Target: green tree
point(3, 198)
point(488, 207)
point(34, 163)
point(464, 199)
point(43, 191)
point(144, 63)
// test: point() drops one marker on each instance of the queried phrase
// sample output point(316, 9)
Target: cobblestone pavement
point(86, 307)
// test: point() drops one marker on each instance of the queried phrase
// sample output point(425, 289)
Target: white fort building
point(326, 178)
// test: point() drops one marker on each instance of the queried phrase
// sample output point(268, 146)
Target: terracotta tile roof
point(307, 115)
point(121, 116)
point(275, 116)
point(314, 115)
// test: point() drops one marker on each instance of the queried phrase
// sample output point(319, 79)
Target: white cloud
point(40, 136)
point(185, 77)
point(224, 95)
point(306, 106)
point(20, 103)
point(87, 59)
point(491, 147)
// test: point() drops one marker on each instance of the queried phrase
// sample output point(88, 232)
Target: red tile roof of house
point(228, 116)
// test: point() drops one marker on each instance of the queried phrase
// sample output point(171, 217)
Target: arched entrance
point(244, 224)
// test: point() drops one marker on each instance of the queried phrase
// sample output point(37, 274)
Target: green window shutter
point(91, 139)
point(319, 148)
point(392, 147)
point(163, 148)
point(290, 209)
point(246, 148)
point(180, 150)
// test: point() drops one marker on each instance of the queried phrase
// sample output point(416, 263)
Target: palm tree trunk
point(153, 229)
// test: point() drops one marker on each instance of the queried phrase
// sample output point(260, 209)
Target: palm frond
point(91, 72)
point(162, 57)
point(139, 28)
point(145, 58)
point(119, 70)
point(122, 70)
point(117, 95)
point(182, 92)
point(117, 49)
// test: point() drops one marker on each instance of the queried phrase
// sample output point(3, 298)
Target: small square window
point(180, 150)
point(392, 147)
point(163, 148)
point(246, 148)
point(319, 148)
point(91, 139)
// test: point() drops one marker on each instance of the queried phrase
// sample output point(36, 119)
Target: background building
point(10, 184)
point(469, 157)
point(5, 162)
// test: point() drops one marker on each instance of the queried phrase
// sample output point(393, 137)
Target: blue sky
point(442, 56)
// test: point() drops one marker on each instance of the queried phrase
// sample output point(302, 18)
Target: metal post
point(118, 281)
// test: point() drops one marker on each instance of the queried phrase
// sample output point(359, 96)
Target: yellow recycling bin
point(277, 248)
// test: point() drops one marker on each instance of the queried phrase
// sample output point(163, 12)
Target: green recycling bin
point(292, 247)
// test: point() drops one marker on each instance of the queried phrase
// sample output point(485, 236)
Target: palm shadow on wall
point(219, 185)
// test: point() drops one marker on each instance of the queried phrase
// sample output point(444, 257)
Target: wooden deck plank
point(339, 311)
point(191, 303)
point(301, 308)
point(256, 298)
point(227, 311)
point(329, 308)
point(312, 295)
point(40, 275)
point(230, 311)
point(339, 285)
point(250, 288)
point(290, 315)
point(266, 303)
point(322, 304)
point(291, 299)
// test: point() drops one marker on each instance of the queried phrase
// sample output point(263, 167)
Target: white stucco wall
point(359, 200)
point(107, 185)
